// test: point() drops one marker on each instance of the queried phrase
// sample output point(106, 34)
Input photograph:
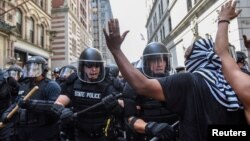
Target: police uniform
point(7, 95)
point(35, 124)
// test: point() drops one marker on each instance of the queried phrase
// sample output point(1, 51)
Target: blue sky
point(132, 16)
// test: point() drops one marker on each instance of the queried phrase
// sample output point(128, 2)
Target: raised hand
point(246, 42)
point(228, 11)
point(113, 38)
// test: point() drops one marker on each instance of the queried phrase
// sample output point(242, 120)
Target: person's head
point(156, 60)
point(36, 66)
point(56, 72)
point(241, 58)
point(113, 70)
point(91, 66)
point(66, 71)
point(15, 71)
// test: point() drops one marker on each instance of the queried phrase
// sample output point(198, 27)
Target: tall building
point(101, 14)
point(71, 25)
point(177, 22)
point(25, 30)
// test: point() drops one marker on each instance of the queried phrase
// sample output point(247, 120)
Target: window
point(189, 4)
point(31, 30)
point(73, 28)
point(74, 47)
point(42, 36)
point(169, 24)
point(19, 21)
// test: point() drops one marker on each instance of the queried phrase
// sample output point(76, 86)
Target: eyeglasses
point(90, 65)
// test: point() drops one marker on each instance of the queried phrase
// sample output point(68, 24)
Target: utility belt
point(91, 134)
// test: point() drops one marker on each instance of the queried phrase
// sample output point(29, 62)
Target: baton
point(173, 125)
point(26, 97)
point(93, 106)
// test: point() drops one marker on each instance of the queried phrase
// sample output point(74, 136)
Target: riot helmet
point(66, 71)
point(113, 70)
point(91, 66)
point(156, 60)
point(15, 71)
point(36, 66)
point(56, 70)
point(241, 57)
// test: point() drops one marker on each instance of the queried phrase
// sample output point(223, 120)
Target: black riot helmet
point(15, 71)
point(156, 53)
point(113, 70)
point(66, 71)
point(36, 66)
point(241, 57)
point(56, 70)
point(91, 66)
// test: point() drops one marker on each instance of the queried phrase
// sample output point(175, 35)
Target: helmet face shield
point(91, 71)
point(34, 69)
point(15, 74)
point(66, 72)
point(156, 65)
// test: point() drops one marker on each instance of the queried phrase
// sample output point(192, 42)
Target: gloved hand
point(23, 103)
point(57, 109)
point(4, 118)
point(110, 102)
point(67, 116)
point(161, 130)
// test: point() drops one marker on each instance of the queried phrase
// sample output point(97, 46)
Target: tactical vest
point(33, 118)
point(85, 95)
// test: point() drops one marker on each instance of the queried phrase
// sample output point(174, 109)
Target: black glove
point(67, 116)
point(23, 103)
point(57, 109)
point(110, 102)
point(4, 118)
point(129, 107)
point(161, 130)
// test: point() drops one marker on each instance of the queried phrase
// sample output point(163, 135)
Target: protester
point(239, 80)
point(156, 63)
point(190, 95)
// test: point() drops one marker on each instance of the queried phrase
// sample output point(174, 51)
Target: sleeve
point(53, 90)
point(176, 89)
point(66, 89)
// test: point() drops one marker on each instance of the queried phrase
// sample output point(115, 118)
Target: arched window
point(42, 36)
point(31, 30)
point(19, 21)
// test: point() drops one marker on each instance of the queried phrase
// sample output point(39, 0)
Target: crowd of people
point(90, 102)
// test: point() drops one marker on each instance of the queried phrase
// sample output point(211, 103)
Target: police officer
point(241, 61)
point(34, 124)
point(56, 73)
point(89, 87)
point(8, 93)
point(66, 128)
point(155, 63)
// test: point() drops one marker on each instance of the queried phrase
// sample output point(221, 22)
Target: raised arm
point(237, 79)
point(139, 82)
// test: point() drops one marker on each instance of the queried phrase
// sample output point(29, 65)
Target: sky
point(132, 16)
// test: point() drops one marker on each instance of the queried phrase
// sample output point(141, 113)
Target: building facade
point(177, 22)
point(30, 30)
point(71, 25)
point(101, 14)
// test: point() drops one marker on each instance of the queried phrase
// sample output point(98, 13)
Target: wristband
point(132, 122)
point(223, 21)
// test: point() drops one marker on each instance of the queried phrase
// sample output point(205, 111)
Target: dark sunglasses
point(90, 65)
